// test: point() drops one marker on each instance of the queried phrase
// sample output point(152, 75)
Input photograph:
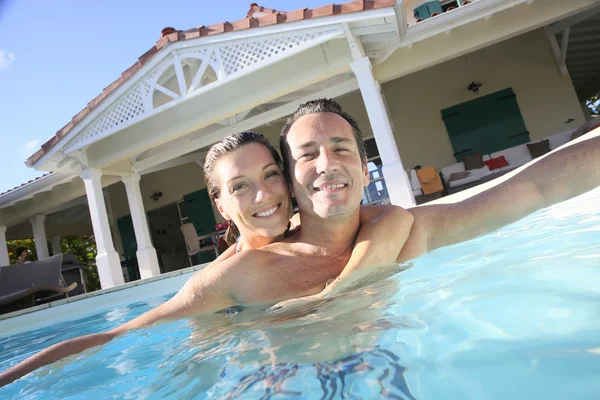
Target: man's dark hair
point(319, 106)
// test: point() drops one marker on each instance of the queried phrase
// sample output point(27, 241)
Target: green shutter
point(485, 125)
point(198, 209)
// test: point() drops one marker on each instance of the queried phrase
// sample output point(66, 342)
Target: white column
point(395, 176)
point(39, 236)
point(146, 254)
point(107, 259)
point(4, 260)
point(56, 246)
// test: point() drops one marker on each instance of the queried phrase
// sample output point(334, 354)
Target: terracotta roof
point(169, 35)
point(25, 184)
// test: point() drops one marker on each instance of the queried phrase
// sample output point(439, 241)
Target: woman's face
point(24, 255)
point(253, 192)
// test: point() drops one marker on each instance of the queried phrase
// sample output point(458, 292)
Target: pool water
point(514, 314)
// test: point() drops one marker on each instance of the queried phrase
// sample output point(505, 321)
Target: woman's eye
point(238, 187)
point(271, 174)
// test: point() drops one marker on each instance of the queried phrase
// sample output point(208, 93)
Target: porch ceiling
point(583, 51)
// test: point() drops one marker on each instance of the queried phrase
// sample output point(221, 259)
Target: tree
point(84, 248)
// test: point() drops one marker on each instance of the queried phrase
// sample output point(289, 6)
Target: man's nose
point(325, 162)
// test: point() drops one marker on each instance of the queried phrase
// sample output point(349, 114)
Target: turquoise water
point(514, 314)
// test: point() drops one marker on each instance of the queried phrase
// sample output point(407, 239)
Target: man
point(326, 163)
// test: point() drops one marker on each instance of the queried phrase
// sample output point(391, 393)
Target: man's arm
point(202, 292)
point(561, 175)
point(383, 232)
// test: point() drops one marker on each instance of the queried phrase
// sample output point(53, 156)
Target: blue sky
point(56, 56)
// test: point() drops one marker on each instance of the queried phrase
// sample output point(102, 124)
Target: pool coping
point(101, 292)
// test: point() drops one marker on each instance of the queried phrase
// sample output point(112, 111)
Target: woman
point(22, 253)
point(244, 177)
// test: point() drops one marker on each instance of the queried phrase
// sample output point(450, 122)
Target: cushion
point(496, 163)
point(539, 148)
point(473, 161)
point(458, 175)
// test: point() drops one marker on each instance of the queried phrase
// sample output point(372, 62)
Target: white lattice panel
point(228, 59)
point(129, 108)
point(241, 56)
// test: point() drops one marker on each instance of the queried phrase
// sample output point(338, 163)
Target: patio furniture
point(72, 271)
point(430, 180)
point(25, 285)
point(193, 241)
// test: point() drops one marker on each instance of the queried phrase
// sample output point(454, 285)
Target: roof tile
point(322, 11)
point(65, 129)
point(352, 6)
point(143, 59)
point(241, 24)
point(92, 104)
point(50, 143)
point(189, 34)
point(297, 15)
point(80, 115)
point(131, 70)
point(113, 85)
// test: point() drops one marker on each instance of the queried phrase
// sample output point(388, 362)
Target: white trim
point(250, 34)
point(156, 86)
point(4, 259)
point(460, 16)
point(179, 74)
point(557, 52)
point(31, 189)
point(564, 46)
point(354, 43)
point(175, 162)
point(247, 124)
point(202, 70)
point(202, 90)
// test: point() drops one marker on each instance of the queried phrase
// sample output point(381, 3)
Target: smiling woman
point(244, 178)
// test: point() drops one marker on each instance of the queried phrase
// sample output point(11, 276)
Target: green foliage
point(13, 245)
point(84, 248)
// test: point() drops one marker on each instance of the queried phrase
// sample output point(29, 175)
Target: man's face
point(327, 173)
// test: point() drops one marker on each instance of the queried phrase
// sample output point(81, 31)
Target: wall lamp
point(474, 87)
point(156, 196)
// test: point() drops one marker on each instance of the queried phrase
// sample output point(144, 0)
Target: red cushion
point(496, 163)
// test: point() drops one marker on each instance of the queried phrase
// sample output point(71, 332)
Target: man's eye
point(307, 155)
point(339, 149)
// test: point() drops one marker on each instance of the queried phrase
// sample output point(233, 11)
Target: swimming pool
point(514, 314)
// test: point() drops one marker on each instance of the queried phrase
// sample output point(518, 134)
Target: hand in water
point(301, 301)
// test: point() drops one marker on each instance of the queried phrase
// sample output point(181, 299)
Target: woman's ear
point(222, 210)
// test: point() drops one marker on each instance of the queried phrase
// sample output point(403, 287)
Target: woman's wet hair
point(20, 251)
point(218, 150)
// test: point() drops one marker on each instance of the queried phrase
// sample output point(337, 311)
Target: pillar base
point(109, 269)
point(398, 185)
point(147, 262)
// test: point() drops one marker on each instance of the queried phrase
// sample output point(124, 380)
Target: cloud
point(6, 59)
point(30, 147)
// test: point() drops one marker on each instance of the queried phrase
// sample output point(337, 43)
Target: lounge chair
point(26, 285)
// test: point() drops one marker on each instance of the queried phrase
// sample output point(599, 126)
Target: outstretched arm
point(558, 176)
point(200, 293)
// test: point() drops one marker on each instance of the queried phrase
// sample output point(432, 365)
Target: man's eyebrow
point(335, 139)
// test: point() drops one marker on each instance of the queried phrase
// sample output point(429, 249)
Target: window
point(376, 192)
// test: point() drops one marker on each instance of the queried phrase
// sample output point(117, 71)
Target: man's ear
point(222, 210)
point(366, 175)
